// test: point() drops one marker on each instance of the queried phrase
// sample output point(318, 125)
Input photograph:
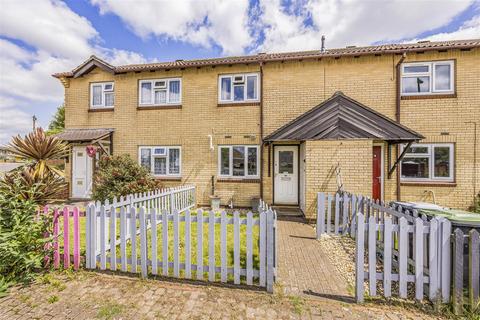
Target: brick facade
point(290, 88)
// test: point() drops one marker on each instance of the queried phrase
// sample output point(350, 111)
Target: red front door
point(377, 173)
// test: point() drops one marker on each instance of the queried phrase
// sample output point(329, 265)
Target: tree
point(58, 121)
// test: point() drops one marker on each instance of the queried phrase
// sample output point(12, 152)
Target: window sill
point(233, 180)
point(165, 107)
point(428, 183)
point(168, 178)
point(101, 109)
point(430, 96)
point(238, 104)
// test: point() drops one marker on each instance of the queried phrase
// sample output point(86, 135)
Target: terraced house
point(393, 121)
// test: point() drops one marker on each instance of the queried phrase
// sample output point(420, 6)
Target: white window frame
point(167, 156)
point(152, 98)
point(431, 74)
point(230, 175)
point(231, 76)
point(103, 84)
point(431, 162)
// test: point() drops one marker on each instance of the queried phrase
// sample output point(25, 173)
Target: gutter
point(397, 113)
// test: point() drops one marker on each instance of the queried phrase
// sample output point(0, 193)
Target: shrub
point(120, 175)
point(22, 235)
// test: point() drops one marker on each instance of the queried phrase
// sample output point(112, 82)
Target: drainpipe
point(397, 112)
point(261, 129)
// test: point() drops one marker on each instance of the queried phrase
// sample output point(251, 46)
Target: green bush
point(22, 235)
point(120, 175)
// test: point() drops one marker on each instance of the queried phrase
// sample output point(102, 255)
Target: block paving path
point(304, 267)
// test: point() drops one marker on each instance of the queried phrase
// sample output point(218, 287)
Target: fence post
point(320, 214)
point(359, 258)
point(172, 201)
point(458, 271)
point(270, 249)
point(433, 261)
point(474, 268)
point(446, 259)
point(88, 237)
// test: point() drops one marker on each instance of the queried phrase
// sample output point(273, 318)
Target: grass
point(194, 244)
point(109, 311)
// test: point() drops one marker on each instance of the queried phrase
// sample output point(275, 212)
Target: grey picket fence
point(466, 271)
point(112, 246)
point(403, 245)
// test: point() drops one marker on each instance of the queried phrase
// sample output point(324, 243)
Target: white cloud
point(469, 30)
point(61, 39)
point(351, 22)
point(203, 23)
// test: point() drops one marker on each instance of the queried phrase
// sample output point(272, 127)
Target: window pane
point(442, 162)
point(413, 69)
point(145, 158)
point(252, 161)
point(415, 168)
point(442, 77)
point(146, 92)
point(286, 162)
point(238, 161)
point(238, 92)
point(174, 161)
point(225, 161)
point(252, 87)
point(226, 93)
point(416, 84)
point(97, 95)
point(418, 149)
point(109, 99)
point(160, 165)
point(160, 96)
point(174, 91)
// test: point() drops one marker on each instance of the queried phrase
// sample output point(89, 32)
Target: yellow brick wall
point(289, 89)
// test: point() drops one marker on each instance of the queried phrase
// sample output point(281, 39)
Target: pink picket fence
point(66, 231)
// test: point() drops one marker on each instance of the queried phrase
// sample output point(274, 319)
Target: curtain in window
point(109, 99)
point(160, 96)
point(146, 92)
point(226, 89)
point(174, 91)
point(160, 166)
point(97, 95)
point(252, 87)
point(174, 161)
point(145, 158)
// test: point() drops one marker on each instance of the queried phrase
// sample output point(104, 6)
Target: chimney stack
point(323, 44)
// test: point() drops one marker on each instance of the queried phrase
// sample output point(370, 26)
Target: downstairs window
point(428, 162)
point(238, 161)
point(161, 161)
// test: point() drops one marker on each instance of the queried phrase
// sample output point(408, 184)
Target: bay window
point(102, 95)
point(235, 88)
point(161, 161)
point(238, 161)
point(160, 92)
point(428, 162)
point(423, 78)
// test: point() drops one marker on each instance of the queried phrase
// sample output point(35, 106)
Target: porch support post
point(390, 171)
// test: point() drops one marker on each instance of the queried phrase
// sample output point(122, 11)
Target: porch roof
point(339, 118)
point(78, 135)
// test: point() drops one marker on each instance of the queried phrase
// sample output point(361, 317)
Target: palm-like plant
point(38, 148)
point(38, 173)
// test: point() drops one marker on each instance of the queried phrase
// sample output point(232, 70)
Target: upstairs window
point(160, 92)
point(102, 95)
point(428, 162)
point(161, 160)
point(426, 78)
point(238, 161)
point(235, 88)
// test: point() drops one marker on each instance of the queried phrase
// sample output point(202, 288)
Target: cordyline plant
point(37, 149)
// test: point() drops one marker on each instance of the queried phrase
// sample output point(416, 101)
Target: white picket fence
point(391, 246)
point(147, 216)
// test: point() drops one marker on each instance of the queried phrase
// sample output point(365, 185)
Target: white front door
point(286, 175)
point(81, 173)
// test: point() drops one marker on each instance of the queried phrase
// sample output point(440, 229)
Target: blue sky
point(41, 37)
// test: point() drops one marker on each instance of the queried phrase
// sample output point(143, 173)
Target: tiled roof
point(83, 134)
point(314, 54)
point(341, 117)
